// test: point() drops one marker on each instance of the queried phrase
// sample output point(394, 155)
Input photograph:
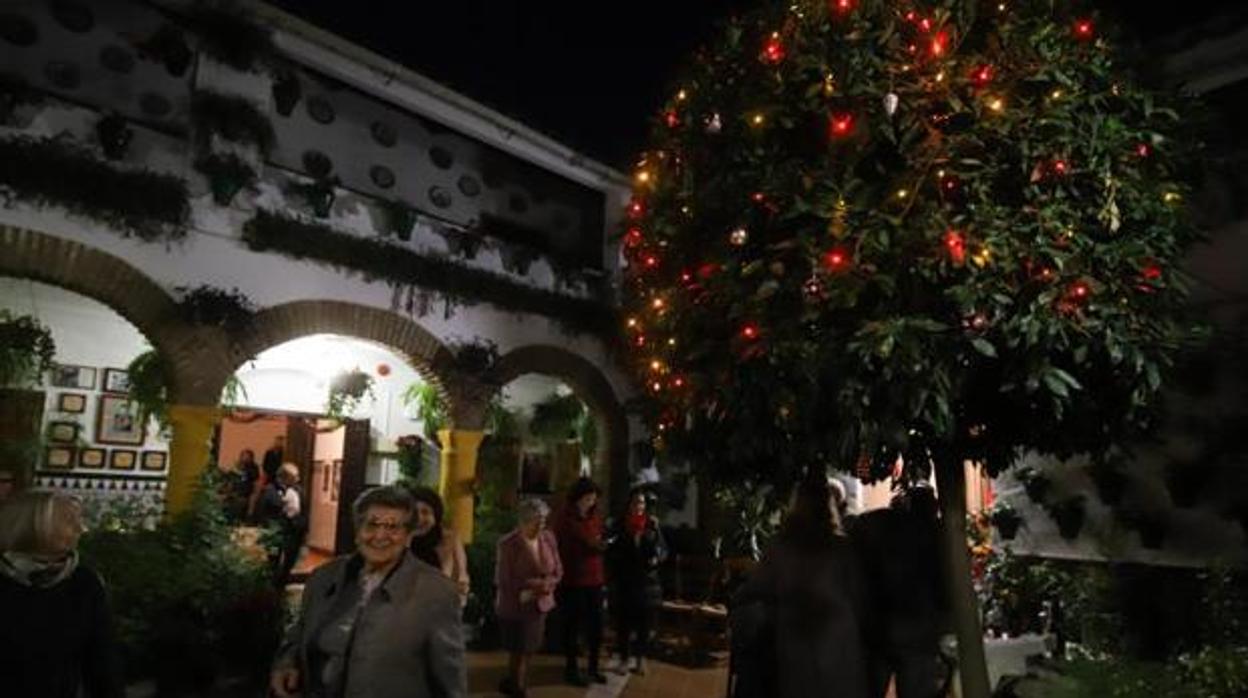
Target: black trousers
point(582, 613)
point(633, 624)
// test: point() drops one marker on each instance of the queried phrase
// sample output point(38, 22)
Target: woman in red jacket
point(581, 548)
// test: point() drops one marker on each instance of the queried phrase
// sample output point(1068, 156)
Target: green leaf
point(984, 347)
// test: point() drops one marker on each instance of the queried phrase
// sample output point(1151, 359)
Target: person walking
point(635, 551)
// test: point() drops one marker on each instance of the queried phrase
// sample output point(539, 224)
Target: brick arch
point(283, 323)
point(590, 385)
point(29, 254)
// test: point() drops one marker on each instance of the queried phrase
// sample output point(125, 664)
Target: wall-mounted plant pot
point(1110, 482)
point(1035, 484)
point(1069, 515)
point(398, 219)
point(1007, 526)
point(227, 175)
point(287, 91)
point(114, 136)
point(1152, 532)
point(462, 243)
point(517, 259)
point(319, 195)
point(1185, 482)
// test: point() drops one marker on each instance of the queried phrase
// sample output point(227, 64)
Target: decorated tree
point(872, 232)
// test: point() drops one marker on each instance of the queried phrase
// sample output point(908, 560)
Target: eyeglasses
point(390, 527)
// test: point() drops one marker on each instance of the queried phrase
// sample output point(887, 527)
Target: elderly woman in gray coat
point(798, 620)
point(378, 623)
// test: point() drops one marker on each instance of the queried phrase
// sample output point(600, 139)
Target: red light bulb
point(939, 43)
point(1079, 290)
point(982, 76)
point(773, 50)
point(841, 124)
point(671, 118)
point(956, 244)
point(1143, 150)
point(1152, 272)
point(836, 259)
point(1084, 29)
point(633, 237)
point(636, 209)
point(749, 331)
point(651, 261)
point(1060, 167)
point(844, 6)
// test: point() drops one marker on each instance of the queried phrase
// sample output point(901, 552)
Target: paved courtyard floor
point(662, 679)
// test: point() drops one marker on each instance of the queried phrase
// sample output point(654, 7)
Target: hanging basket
point(1110, 482)
point(1069, 514)
point(1007, 523)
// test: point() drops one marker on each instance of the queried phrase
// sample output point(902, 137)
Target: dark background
point(590, 73)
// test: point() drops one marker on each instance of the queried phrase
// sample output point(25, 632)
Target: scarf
point(30, 571)
point(635, 524)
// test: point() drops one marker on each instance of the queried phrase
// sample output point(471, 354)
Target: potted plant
point(287, 92)
point(14, 92)
point(517, 257)
point(149, 380)
point(346, 391)
point(168, 47)
point(227, 174)
point(319, 194)
point(1035, 483)
point(1110, 482)
point(114, 136)
point(1069, 515)
point(408, 453)
point(398, 218)
point(461, 243)
point(1006, 519)
point(1152, 528)
point(26, 350)
point(1185, 482)
point(209, 306)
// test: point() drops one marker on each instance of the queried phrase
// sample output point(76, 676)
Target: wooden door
point(21, 414)
point(355, 448)
point(300, 447)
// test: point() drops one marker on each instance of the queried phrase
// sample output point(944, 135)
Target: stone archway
point(591, 386)
point(283, 323)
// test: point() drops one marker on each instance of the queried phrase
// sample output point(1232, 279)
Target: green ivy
point(227, 175)
point(209, 306)
point(57, 172)
point(375, 259)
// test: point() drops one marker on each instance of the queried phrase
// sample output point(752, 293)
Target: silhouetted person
point(900, 550)
point(798, 620)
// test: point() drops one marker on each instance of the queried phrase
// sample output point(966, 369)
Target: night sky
point(586, 72)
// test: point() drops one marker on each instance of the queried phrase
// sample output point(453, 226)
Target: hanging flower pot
point(1007, 521)
point(287, 92)
point(1185, 482)
point(168, 47)
point(319, 195)
point(1035, 483)
point(517, 258)
point(1152, 529)
point(398, 218)
point(462, 243)
point(1069, 515)
point(114, 136)
point(1110, 482)
point(227, 175)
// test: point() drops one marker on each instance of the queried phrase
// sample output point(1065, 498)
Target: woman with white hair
point(56, 638)
point(527, 573)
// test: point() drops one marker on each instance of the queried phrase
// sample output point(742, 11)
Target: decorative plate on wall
point(320, 110)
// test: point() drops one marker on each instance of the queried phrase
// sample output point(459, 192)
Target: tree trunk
point(972, 664)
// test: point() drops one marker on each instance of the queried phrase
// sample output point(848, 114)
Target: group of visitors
point(842, 608)
point(538, 569)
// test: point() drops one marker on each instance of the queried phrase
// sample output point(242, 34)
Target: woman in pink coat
point(526, 575)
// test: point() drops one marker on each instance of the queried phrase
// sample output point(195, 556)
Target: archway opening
point(77, 429)
point(344, 411)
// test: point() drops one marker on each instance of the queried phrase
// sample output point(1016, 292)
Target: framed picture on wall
point(116, 380)
point(68, 376)
point(118, 422)
point(92, 458)
point(155, 461)
point(71, 403)
point(59, 458)
point(63, 432)
point(122, 459)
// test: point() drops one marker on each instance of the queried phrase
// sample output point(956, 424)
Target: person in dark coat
point(798, 619)
point(900, 551)
point(635, 551)
point(56, 631)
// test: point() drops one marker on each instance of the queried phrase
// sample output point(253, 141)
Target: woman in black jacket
point(636, 550)
point(56, 638)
